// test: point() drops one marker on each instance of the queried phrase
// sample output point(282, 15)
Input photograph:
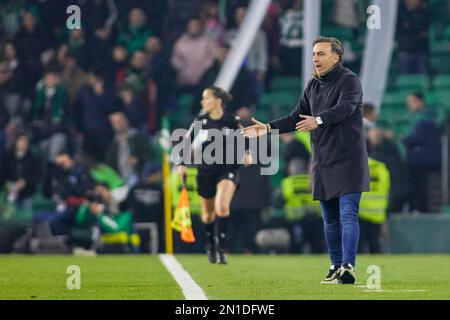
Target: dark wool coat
point(339, 152)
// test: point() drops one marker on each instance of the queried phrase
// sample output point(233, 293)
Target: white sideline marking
point(190, 288)
point(399, 290)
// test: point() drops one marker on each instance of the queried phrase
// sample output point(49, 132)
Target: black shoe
point(347, 274)
point(332, 276)
point(213, 255)
point(222, 257)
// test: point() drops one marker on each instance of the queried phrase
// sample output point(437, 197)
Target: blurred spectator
point(162, 84)
point(136, 33)
point(146, 203)
point(119, 64)
point(11, 16)
point(241, 89)
point(129, 151)
point(193, 53)
point(291, 38)
point(9, 99)
point(72, 76)
point(369, 116)
point(21, 173)
point(296, 153)
point(257, 59)
point(384, 149)
point(252, 196)
point(132, 106)
point(423, 151)
point(412, 36)
point(67, 181)
point(214, 28)
point(154, 10)
point(271, 27)
point(49, 115)
point(30, 42)
point(136, 74)
point(78, 45)
point(95, 101)
point(98, 18)
point(346, 13)
point(9, 54)
point(52, 15)
point(373, 207)
point(179, 12)
point(230, 10)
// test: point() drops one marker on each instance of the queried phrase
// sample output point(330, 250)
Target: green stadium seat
point(185, 101)
point(413, 81)
point(287, 83)
point(339, 32)
point(396, 97)
point(442, 81)
point(42, 203)
point(437, 97)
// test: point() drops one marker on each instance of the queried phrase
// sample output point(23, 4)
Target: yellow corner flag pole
point(165, 143)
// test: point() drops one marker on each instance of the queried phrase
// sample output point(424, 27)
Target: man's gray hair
point(336, 45)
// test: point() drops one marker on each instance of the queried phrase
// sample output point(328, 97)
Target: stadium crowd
point(80, 111)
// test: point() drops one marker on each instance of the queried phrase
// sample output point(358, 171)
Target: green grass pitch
point(264, 277)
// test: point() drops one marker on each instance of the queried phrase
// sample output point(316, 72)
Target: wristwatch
point(319, 121)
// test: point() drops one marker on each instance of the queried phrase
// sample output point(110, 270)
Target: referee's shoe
point(213, 254)
point(333, 275)
point(222, 257)
point(347, 274)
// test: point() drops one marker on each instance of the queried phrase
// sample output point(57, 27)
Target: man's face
point(239, 15)
point(138, 60)
point(324, 58)
point(194, 27)
point(29, 22)
point(375, 136)
point(414, 103)
point(22, 144)
point(118, 122)
point(64, 161)
point(119, 54)
point(153, 45)
point(137, 17)
point(51, 79)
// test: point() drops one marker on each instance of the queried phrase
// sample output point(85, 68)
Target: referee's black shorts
point(207, 180)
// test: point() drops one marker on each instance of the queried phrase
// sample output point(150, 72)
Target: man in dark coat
point(331, 108)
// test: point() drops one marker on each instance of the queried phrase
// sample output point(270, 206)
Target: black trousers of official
point(243, 226)
point(369, 237)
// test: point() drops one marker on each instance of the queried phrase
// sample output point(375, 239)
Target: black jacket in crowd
point(339, 152)
point(26, 168)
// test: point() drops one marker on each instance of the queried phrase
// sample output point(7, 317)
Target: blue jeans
point(341, 226)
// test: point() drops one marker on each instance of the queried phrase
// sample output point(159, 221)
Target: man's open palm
point(256, 130)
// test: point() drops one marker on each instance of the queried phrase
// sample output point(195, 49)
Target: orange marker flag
point(182, 220)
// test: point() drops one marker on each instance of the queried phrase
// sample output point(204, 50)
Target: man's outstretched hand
point(307, 124)
point(257, 130)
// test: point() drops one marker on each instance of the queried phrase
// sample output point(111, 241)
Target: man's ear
point(336, 57)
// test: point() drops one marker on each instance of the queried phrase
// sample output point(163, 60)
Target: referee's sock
point(210, 233)
point(223, 228)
